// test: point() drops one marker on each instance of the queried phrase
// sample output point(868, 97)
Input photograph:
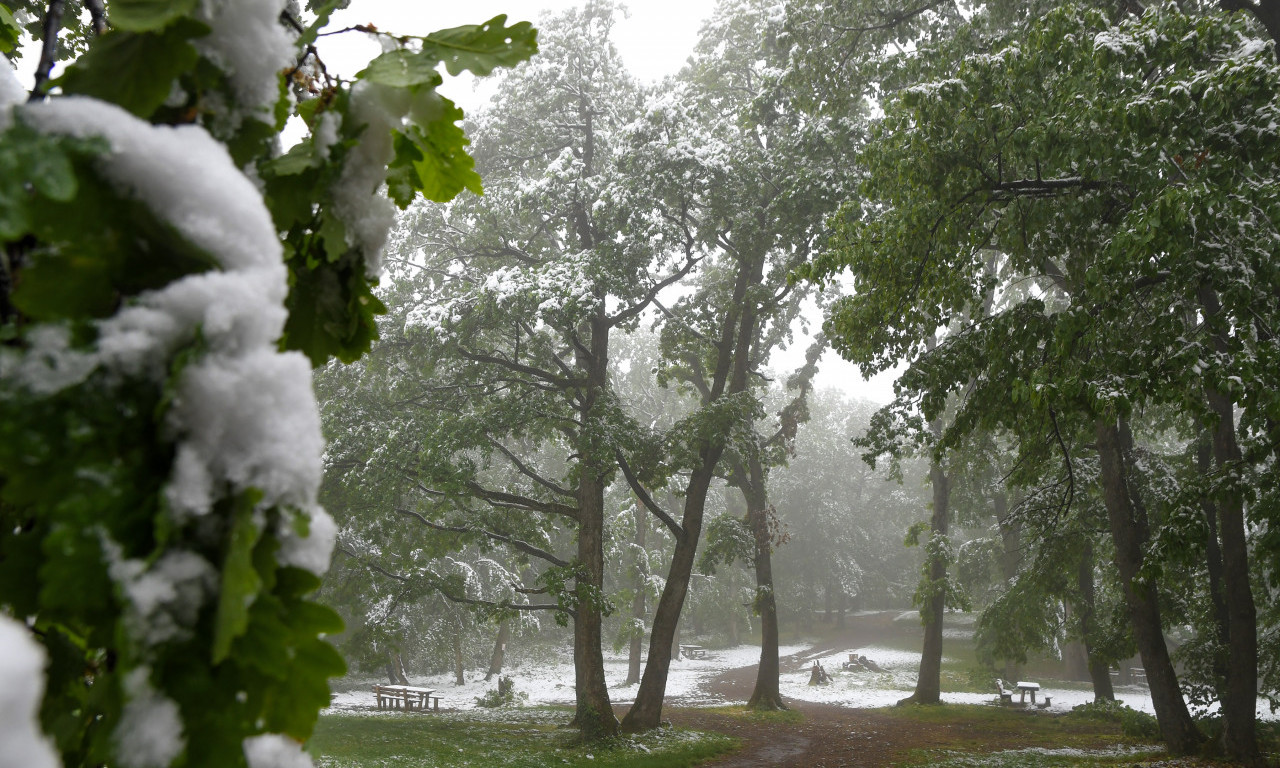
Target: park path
point(828, 736)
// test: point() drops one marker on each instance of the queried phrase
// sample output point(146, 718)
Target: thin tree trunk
point(1239, 713)
point(638, 610)
point(459, 667)
point(646, 712)
point(929, 682)
point(499, 650)
point(732, 367)
point(1213, 564)
point(766, 695)
point(1010, 557)
point(1130, 533)
point(1099, 669)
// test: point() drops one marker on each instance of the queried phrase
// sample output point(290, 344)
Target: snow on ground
point(550, 681)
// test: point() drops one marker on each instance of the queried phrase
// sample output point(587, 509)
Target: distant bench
point(694, 651)
point(406, 697)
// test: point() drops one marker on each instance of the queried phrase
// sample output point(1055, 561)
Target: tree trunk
point(1099, 669)
point(646, 712)
point(733, 364)
point(1213, 564)
point(1239, 732)
point(395, 669)
point(1010, 558)
point(929, 682)
point(594, 713)
point(499, 650)
point(1129, 531)
point(638, 610)
point(459, 667)
point(766, 695)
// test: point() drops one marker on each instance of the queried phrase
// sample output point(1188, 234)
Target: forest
point(342, 425)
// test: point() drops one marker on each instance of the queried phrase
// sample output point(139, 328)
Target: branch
point(645, 498)
point(49, 48)
point(652, 296)
point(1010, 190)
point(537, 373)
point(523, 546)
point(435, 584)
point(513, 501)
point(528, 472)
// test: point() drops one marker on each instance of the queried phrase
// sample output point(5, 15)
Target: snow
point(164, 598)
point(21, 690)
point(368, 216)
point(272, 750)
point(244, 415)
point(550, 682)
point(11, 91)
point(149, 734)
point(248, 42)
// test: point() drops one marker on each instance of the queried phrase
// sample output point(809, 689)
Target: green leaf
point(402, 68)
point(480, 48)
point(240, 581)
point(135, 70)
point(432, 158)
point(322, 11)
point(10, 31)
point(148, 15)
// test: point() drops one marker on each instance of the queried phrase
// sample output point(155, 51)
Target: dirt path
point(828, 736)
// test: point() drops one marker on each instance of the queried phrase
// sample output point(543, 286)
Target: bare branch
point(646, 499)
point(523, 546)
point(524, 470)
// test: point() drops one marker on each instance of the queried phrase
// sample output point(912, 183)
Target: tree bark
point(646, 712)
point(1099, 669)
point(594, 713)
point(499, 650)
point(1010, 558)
point(638, 610)
point(1239, 733)
point(459, 666)
point(732, 367)
point(766, 695)
point(1129, 530)
point(395, 669)
point(929, 682)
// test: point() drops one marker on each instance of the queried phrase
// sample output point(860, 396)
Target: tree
point(161, 445)
point(1111, 220)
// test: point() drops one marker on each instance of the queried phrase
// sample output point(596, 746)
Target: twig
point(49, 49)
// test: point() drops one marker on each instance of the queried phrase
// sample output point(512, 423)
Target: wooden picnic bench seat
point(1006, 697)
point(406, 697)
point(693, 651)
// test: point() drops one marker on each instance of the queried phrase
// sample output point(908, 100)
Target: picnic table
point(1024, 688)
point(406, 697)
point(693, 651)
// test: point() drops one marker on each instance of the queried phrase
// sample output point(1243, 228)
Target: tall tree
point(1055, 151)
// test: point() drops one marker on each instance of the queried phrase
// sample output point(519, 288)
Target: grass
point(515, 739)
point(976, 736)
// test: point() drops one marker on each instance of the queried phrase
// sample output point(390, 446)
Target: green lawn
point(523, 738)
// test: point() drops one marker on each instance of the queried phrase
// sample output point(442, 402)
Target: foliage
point(504, 695)
point(167, 276)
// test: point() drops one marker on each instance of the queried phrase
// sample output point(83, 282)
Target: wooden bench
point(693, 651)
point(406, 697)
point(1006, 697)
